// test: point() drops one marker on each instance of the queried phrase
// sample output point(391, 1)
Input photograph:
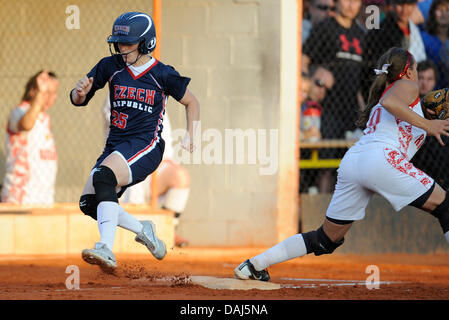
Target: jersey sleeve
point(175, 84)
point(100, 74)
point(14, 119)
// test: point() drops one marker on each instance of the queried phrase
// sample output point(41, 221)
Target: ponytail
point(392, 66)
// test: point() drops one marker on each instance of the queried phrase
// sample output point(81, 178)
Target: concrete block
point(185, 20)
point(7, 234)
point(204, 233)
point(240, 82)
point(43, 234)
point(82, 233)
point(229, 18)
point(210, 52)
point(246, 51)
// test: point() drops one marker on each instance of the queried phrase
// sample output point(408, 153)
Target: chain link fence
point(67, 38)
point(341, 42)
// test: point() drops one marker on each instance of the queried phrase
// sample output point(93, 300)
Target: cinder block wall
point(241, 56)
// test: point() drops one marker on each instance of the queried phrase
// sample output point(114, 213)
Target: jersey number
point(374, 121)
point(119, 119)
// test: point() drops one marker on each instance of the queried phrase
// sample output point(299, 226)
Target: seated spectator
point(173, 180)
point(431, 155)
point(318, 10)
point(321, 82)
point(397, 30)
point(436, 39)
point(31, 158)
point(427, 77)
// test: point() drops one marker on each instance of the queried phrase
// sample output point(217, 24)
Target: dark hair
point(426, 65)
point(32, 84)
point(431, 23)
point(397, 59)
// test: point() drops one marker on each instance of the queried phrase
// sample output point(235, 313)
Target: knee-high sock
point(128, 222)
point(107, 215)
point(290, 248)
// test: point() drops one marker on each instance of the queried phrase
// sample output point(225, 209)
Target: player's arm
point(192, 116)
point(82, 88)
point(397, 101)
point(28, 120)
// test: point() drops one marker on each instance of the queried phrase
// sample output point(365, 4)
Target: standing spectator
point(31, 158)
point(431, 153)
point(397, 30)
point(318, 11)
point(337, 42)
point(436, 39)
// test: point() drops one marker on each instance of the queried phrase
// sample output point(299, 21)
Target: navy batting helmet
point(134, 27)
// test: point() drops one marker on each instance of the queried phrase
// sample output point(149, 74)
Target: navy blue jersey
point(137, 102)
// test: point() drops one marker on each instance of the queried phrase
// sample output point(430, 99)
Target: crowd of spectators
point(341, 42)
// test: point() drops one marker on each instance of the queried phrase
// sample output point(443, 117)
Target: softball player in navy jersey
point(139, 87)
point(378, 163)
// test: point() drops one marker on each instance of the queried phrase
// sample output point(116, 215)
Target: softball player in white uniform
point(378, 163)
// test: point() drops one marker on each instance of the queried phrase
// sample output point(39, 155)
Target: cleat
point(102, 256)
point(148, 238)
point(246, 271)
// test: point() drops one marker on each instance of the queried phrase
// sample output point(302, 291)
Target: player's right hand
point(438, 128)
point(83, 86)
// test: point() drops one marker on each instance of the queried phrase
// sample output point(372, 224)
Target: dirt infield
point(142, 277)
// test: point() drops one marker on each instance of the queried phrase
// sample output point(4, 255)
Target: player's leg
point(173, 192)
point(436, 202)
point(348, 204)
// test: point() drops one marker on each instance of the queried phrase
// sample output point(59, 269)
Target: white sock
point(107, 215)
point(446, 235)
point(290, 248)
point(128, 222)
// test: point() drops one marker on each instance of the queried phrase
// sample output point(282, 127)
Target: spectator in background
point(173, 180)
point(436, 39)
point(427, 77)
point(424, 7)
point(318, 10)
point(337, 43)
point(431, 155)
point(320, 83)
point(31, 158)
point(397, 30)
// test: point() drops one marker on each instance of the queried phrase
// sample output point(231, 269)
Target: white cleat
point(148, 238)
point(102, 256)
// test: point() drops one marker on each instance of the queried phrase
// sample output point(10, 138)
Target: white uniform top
point(385, 129)
point(380, 163)
point(31, 160)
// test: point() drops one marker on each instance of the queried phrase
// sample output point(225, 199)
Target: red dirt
point(140, 277)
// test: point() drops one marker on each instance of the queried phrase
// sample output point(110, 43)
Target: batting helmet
point(134, 27)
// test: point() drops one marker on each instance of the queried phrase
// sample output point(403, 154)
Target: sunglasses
point(324, 7)
point(320, 83)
